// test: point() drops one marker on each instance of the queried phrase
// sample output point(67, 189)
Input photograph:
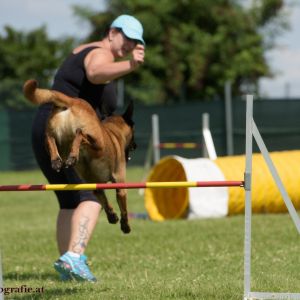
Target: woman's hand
point(138, 55)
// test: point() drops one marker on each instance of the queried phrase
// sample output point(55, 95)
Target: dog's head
point(127, 116)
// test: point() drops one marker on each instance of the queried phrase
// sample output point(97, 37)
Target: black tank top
point(71, 80)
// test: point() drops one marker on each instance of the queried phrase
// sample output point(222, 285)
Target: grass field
point(201, 259)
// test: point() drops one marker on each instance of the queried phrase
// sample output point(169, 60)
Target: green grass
point(200, 259)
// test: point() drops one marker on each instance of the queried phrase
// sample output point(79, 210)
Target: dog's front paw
point(125, 226)
point(71, 161)
point(112, 218)
point(56, 164)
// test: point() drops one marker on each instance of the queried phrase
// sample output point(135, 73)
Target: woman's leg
point(63, 229)
point(74, 230)
point(75, 226)
point(83, 222)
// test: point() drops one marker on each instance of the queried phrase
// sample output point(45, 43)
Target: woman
point(87, 73)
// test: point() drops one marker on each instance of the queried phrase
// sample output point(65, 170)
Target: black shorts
point(66, 199)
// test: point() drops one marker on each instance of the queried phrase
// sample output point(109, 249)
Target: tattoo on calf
point(83, 234)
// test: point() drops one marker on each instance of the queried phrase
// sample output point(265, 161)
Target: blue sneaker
point(74, 268)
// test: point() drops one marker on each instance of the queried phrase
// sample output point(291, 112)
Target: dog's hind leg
point(112, 217)
point(56, 161)
point(74, 152)
point(122, 202)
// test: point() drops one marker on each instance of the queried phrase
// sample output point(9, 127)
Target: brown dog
point(98, 150)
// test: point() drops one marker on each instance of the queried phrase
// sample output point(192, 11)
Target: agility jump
point(207, 145)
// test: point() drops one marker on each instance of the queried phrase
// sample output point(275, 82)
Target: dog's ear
point(127, 116)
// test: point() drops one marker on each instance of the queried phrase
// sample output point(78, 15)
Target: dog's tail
point(40, 96)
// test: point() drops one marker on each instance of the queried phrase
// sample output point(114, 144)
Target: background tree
point(193, 47)
point(24, 56)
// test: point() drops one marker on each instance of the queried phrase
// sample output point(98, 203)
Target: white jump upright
point(155, 138)
point(207, 140)
point(252, 131)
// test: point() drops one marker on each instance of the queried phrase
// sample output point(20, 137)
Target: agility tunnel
point(208, 202)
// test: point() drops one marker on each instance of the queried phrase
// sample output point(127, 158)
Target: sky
point(58, 17)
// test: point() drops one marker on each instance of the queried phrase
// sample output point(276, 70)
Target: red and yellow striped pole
point(130, 185)
point(179, 145)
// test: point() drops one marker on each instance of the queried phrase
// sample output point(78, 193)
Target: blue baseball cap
point(130, 26)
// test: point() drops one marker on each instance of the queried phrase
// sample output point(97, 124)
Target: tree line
point(192, 48)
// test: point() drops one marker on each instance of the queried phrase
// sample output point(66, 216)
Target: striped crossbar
point(179, 145)
point(130, 185)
